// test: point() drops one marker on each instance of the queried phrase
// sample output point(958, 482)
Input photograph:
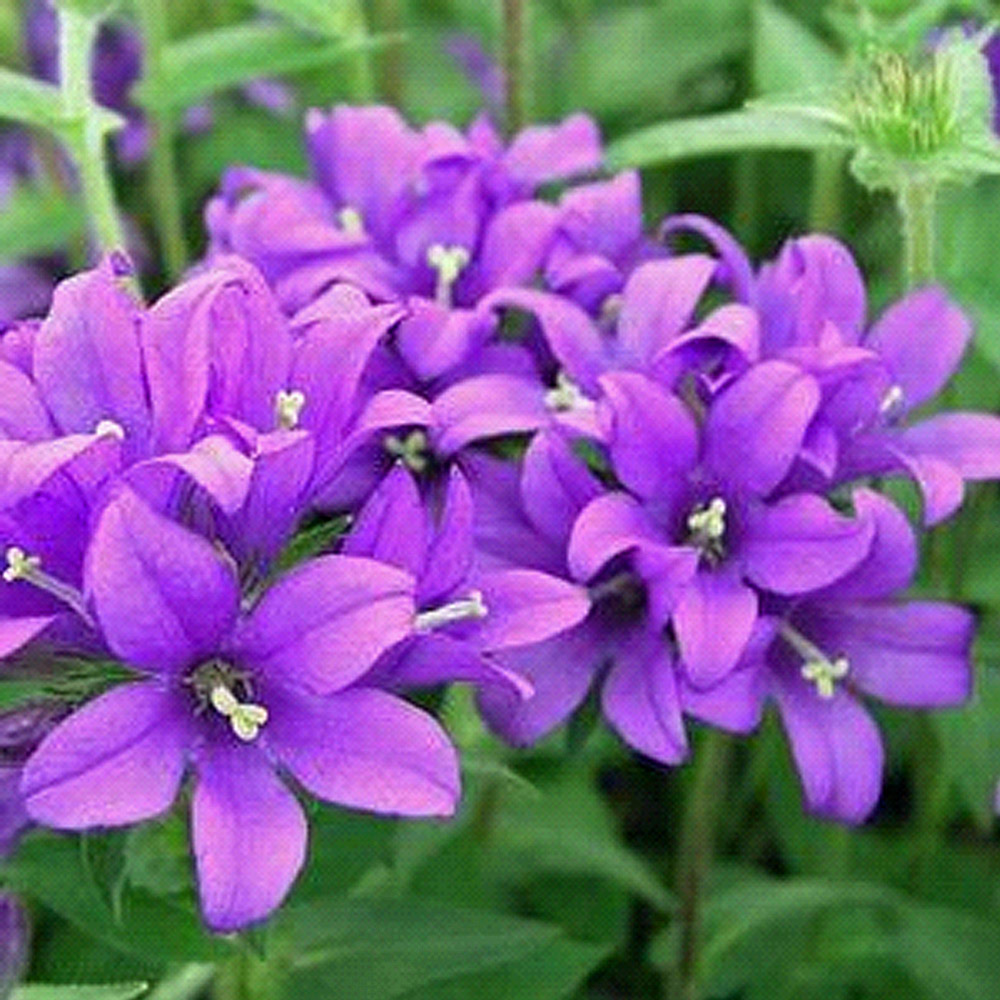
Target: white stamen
point(110, 428)
point(28, 568)
point(20, 565)
point(288, 408)
point(245, 718)
point(449, 262)
point(817, 667)
point(892, 400)
point(349, 219)
point(566, 395)
point(412, 449)
point(709, 522)
point(470, 608)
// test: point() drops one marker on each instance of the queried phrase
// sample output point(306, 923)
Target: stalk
point(695, 858)
point(515, 46)
point(84, 132)
point(917, 199)
point(164, 185)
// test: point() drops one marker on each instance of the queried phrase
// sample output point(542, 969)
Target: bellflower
point(465, 614)
point(817, 656)
point(237, 693)
point(812, 306)
point(435, 216)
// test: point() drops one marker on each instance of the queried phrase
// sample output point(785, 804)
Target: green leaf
point(98, 9)
point(414, 948)
point(788, 57)
point(37, 220)
point(50, 868)
point(333, 18)
point(40, 105)
point(204, 64)
point(569, 829)
point(114, 991)
point(757, 127)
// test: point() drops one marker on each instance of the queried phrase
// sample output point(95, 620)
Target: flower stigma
point(110, 428)
point(470, 608)
point(411, 450)
point(349, 219)
point(288, 407)
point(817, 668)
point(449, 262)
point(214, 684)
point(28, 569)
point(707, 528)
point(566, 395)
point(892, 401)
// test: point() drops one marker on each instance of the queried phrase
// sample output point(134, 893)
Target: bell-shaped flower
point(238, 693)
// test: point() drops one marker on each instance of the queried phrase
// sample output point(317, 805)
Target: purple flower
point(811, 305)
point(435, 216)
point(238, 693)
point(466, 614)
point(816, 656)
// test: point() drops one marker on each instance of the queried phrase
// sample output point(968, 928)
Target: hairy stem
point(917, 199)
point(84, 132)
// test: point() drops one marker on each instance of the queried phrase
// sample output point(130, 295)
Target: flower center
point(566, 396)
point(110, 428)
point(216, 684)
point(413, 450)
point(349, 219)
point(449, 262)
point(892, 402)
point(470, 608)
point(287, 408)
point(817, 667)
point(28, 569)
point(706, 526)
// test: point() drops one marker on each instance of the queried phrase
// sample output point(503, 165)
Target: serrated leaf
point(757, 128)
point(112, 991)
point(212, 61)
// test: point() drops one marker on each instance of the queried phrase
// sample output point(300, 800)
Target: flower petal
point(248, 835)
point(756, 426)
point(607, 527)
point(118, 759)
point(641, 702)
point(164, 597)
point(324, 624)
point(837, 750)
point(801, 543)
point(713, 620)
point(367, 749)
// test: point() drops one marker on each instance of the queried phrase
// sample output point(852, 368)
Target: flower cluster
point(568, 458)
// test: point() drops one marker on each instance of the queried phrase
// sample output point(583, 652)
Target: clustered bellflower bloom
point(569, 458)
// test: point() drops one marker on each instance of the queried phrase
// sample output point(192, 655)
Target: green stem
point(84, 132)
point(360, 73)
point(388, 20)
point(917, 198)
point(164, 185)
point(827, 191)
point(515, 43)
point(695, 857)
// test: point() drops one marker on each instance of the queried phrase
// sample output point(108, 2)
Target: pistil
point(707, 528)
point(471, 608)
point(449, 262)
point(287, 408)
point(817, 667)
point(411, 450)
point(28, 569)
